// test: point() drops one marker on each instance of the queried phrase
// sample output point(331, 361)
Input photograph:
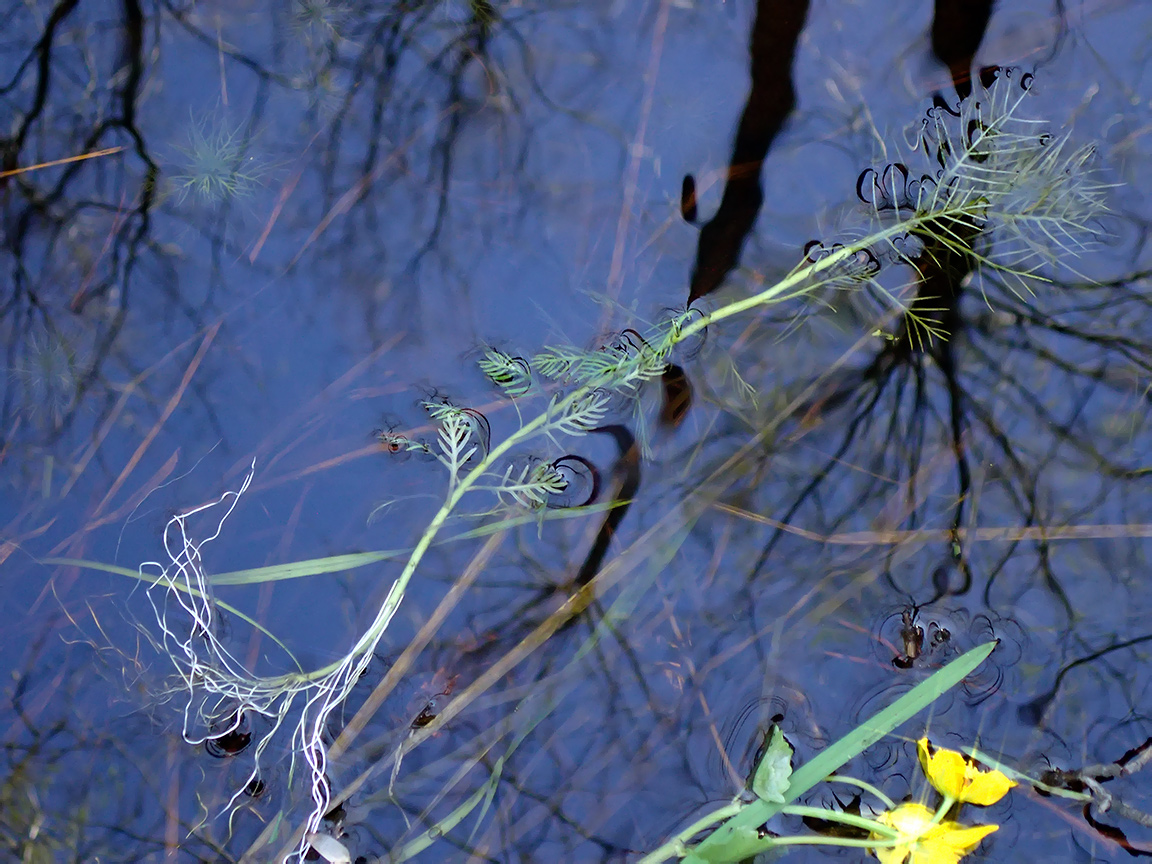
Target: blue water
point(391, 187)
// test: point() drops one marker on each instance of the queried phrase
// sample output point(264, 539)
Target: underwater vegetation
point(319, 20)
point(217, 161)
point(997, 197)
point(46, 375)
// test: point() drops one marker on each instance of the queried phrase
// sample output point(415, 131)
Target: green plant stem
point(992, 762)
point(841, 817)
point(460, 488)
point(846, 842)
point(789, 286)
point(943, 809)
point(678, 844)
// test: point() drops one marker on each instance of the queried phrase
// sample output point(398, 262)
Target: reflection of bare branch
point(215, 44)
point(44, 220)
point(771, 98)
point(1091, 778)
point(936, 383)
point(958, 28)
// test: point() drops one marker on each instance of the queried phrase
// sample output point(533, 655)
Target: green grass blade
point(459, 814)
point(136, 574)
point(307, 567)
point(96, 565)
point(829, 761)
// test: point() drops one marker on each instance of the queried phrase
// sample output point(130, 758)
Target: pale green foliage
point(1047, 205)
point(320, 20)
point(1037, 192)
point(462, 433)
point(1032, 198)
point(620, 366)
point(217, 162)
point(577, 414)
point(48, 375)
point(455, 435)
point(530, 485)
point(990, 197)
point(512, 374)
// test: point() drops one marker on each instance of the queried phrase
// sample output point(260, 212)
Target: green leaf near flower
point(774, 769)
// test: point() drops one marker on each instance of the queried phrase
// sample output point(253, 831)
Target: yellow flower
point(923, 841)
point(956, 776)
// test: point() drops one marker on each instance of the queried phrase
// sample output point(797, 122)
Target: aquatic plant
point(1004, 201)
point(48, 377)
point(319, 20)
point(217, 161)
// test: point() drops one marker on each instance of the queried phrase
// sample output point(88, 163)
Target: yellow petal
point(956, 776)
point(986, 787)
point(926, 842)
point(956, 838)
point(943, 768)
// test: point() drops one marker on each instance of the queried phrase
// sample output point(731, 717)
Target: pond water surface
point(301, 225)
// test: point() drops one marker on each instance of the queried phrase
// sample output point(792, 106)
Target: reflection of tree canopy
point(964, 437)
point(73, 235)
point(1012, 387)
point(391, 92)
point(994, 396)
point(416, 112)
